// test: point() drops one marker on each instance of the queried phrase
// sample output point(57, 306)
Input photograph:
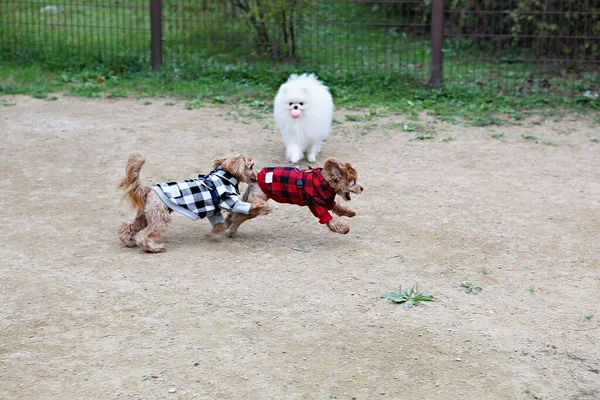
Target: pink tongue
point(296, 113)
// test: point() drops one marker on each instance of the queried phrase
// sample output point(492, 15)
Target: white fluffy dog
point(303, 112)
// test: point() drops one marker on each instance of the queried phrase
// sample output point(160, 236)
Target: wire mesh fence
point(336, 34)
point(528, 42)
point(84, 30)
point(536, 43)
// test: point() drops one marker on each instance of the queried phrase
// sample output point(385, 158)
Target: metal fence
point(539, 42)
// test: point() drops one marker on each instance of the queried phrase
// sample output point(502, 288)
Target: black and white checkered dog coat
point(204, 196)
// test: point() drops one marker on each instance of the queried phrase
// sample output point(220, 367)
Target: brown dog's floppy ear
point(248, 161)
point(217, 163)
point(236, 166)
point(334, 167)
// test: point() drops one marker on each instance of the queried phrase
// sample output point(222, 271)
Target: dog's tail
point(135, 191)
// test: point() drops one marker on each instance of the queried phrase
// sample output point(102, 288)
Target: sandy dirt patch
point(289, 310)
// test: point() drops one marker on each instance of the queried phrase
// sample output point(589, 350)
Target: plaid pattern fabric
point(204, 196)
point(299, 186)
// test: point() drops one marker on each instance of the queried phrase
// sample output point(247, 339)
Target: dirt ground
point(289, 310)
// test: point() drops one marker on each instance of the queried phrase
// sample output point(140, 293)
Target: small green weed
point(498, 135)
point(531, 289)
point(117, 94)
point(409, 297)
point(517, 116)
point(408, 127)
point(532, 138)
point(448, 139)
point(588, 317)
point(262, 106)
point(426, 136)
point(471, 287)
point(595, 140)
point(219, 100)
point(365, 117)
point(485, 121)
point(193, 105)
point(549, 143)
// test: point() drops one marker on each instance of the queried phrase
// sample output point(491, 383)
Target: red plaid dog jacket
point(299, 186)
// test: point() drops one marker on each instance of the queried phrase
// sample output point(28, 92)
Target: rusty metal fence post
point(156, 54)
point(437, 43)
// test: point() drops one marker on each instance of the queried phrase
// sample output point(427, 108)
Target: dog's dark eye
point(291, 104)
point(301, 104)
point(352, 183)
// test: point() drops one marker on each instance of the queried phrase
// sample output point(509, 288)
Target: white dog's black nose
point(295, 107)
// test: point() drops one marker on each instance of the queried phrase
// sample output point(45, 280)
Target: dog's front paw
point(150, 246)
point(214, 237)
point(231, 233)
point(217, 232)
point(260, 208)
point(338, 227)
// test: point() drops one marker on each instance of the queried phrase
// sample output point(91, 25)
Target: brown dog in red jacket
point(315, 188)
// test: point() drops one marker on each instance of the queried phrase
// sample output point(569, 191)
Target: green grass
point(205, 83)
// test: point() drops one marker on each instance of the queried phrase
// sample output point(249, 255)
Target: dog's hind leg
point(158, 217)
point(129, 229)
point(234, 220)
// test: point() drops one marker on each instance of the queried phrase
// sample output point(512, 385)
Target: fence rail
point(483, 42)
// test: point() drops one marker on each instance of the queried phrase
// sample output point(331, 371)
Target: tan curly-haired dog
point(197, 198)
point(315, 188)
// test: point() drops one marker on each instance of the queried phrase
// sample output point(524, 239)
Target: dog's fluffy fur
point(152, 213)
point(341, 176)
point(307, 98)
